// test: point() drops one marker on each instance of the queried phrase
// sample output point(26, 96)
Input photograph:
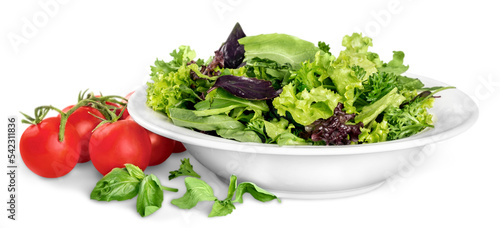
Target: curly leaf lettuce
point(395, 66)
point(356, 53)
point(307, 106)
point(171, 82)
point(375, 132)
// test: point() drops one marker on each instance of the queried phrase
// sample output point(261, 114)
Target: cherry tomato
point(178, 147)
point(161, 147)
point(125, 114)
point(112, 145)
point(42, 152)
point(84, 122)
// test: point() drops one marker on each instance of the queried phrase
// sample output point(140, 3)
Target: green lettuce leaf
point(375, 132)
point(180, 57)
point(395, 66)
point(281, 48)
point(172, 85)
point(370, 112)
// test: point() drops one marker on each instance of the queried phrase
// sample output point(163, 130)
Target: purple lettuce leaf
point(247, 88)
point(209, 70)
point(232, 50)
point(334, 131)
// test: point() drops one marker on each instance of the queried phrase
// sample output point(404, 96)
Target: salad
point(277, 88)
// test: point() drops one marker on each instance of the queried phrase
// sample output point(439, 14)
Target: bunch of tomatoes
point(98, 129)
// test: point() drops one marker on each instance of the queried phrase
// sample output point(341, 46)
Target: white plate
point(313, 171)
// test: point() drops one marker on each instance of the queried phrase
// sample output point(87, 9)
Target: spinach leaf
point(239, 135)
point(188, 118)
point(150, 196)
point(404, 82)
point(186, 169)
point(281, 48)
point(221, 101)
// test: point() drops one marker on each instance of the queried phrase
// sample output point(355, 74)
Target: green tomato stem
point(98, 102)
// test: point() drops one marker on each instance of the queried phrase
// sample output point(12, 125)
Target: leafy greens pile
point(277, 88)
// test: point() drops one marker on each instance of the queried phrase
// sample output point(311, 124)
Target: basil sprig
point(126, 183)
point(129, 182)
point(186, 169)
point(198, 190)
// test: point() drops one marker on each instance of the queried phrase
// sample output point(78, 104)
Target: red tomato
point(112, 145)
point(84, 124)
point(179, 147)
point(161, 147)
point(42, 152)
point(125, 113)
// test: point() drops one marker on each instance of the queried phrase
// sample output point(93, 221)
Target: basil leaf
point(150, 196)
point(222, 208)
point(116, 185)
point(239, 135)
point(233, 52)
point(232, 187)
point(186, 169)
point(135, 171)
point(254, 190)
point(196, 191)
point(247, 88)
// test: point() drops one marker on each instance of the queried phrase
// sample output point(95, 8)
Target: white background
point(108, 46)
